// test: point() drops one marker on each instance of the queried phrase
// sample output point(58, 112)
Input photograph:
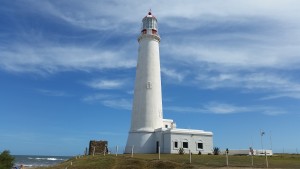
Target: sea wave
point(30, 161)
point(48, 158)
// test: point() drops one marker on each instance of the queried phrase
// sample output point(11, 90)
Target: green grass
point(150, 161)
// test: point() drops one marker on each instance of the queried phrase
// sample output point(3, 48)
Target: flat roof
point(185, 131)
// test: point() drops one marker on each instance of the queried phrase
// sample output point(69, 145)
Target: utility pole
point(271, 141)
point(251, 152)
point(261, 140)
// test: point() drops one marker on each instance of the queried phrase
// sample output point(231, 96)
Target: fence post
point(190, 156)
point(227, 151)
point(252, 153)
point(226, 158)
point(94, 150)
point(252, 159)
point(267, 163)
point(159, 152)
point(132, 151)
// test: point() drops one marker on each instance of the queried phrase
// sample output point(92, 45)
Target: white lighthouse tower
point(149, 132)
point(147, 104)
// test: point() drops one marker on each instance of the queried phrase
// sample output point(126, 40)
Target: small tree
point(216, 151)
point(6, 160)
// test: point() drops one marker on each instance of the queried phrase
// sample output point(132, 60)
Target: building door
point(157, 146)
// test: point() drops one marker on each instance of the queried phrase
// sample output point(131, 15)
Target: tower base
point(141, 142)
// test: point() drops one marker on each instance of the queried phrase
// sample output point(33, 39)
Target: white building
point(248, 152)
point(149, 130)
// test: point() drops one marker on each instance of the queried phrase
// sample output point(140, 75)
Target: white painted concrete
point(168, 137)
point(148, 128)
point(147, 112)
point(247, 152)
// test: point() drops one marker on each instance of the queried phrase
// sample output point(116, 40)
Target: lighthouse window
point(145, 23)
point(150, 22)
point(149, 85)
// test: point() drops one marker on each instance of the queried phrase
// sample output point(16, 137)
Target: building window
point(175, 144)
point(166, 126)
point(200, 145)
point(185, 144)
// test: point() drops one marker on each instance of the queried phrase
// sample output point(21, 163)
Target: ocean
point(38, 161)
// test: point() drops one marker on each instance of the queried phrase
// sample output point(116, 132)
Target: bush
point(181, 151)
point(216, 151)
point(6, 160)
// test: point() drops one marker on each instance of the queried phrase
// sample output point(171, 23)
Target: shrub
point(199, 153)
point(216, 151)
point(6, 160)
point(181, 151)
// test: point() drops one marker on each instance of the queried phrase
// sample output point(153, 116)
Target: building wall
point(142, 142)
point(148, 142)
point(247, 152)
point(169, 124)
point(192, 139)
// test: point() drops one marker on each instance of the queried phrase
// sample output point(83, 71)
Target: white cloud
point(274, 112)
point(130, 92)
point(173, 74)
point(274, 47)
point(221, 108)
point(258, 82)
point(102, 15)
point(295, 95)
point(118, 103)
point(247, 57)
point(224, 108)
point(183, 109)
point(214, 108)
point(52, 92)
point(246, 37)
point(105, 84)
point(112, 101)
point(97, 97)
point(52, 59)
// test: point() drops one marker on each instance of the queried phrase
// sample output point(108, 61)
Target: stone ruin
point(99, 146)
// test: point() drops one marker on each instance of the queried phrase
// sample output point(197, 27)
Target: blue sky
point(67, 71)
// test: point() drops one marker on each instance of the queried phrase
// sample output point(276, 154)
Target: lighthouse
point(149, 132)
point(147, 112)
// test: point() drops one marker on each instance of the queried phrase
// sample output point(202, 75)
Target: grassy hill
point(150, 161)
